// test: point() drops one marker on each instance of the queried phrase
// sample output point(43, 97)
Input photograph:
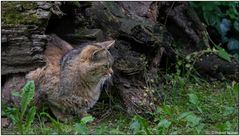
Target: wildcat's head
point(97, 60)
point(86, 67)
point(90, 62)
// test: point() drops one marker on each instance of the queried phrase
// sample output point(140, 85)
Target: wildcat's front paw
point(61, 116)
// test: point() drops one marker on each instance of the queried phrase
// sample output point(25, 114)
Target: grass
point(190, 106)
point(214, 104)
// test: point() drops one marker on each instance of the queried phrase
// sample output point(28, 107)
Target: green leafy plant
point(81, 128)
point(42, 129)
point(20, 116)
point(163, 125)
point(177, 114)
point(223, 54)
point(10, 112)
point(193, 122)
point(55, 123)
point(228, 110)
point(193, 99)
point(224, 127)
point(139, 124)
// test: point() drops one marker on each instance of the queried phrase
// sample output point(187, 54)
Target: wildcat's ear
point(106, 44)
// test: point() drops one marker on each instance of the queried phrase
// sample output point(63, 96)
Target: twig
point(210, 39)
point(105, 115)
point(165, 22)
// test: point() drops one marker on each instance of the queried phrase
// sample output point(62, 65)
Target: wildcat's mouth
point(110, 72)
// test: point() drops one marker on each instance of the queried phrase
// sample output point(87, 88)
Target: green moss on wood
point(15, 18)
point(16, 13)
point(29, 5)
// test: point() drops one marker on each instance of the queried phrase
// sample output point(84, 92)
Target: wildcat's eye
point(106, 66)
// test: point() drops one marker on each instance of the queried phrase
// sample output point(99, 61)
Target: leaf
point(87, 119)
point(199, 128)
point(223, 54)
point(80, 128)
point(183, 115)
point(12, 114)
point(187, 65)
point(228, 111)
point(188, 57)
point(15, 93)
point(199, 109)
point(164, 124)
point(210, 19)
point(221, 127)
point(135, 127)
point(235, 87)
point(56, 124)
point(30, 118)
point(228, 126)
point(27, 96)
point(232, 13)
point(193, 99)
point(143, 123)
point(159, 110)
point(224, 126)
point(192, 120)
point(167, 110)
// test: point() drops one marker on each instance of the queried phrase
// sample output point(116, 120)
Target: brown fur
point(71, 81)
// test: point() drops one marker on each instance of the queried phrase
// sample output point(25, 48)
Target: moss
point(29, 5)
point(16, 18)
point(12, 13)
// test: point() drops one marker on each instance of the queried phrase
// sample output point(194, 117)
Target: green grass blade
point(143, 123)
point(56, 124)
point(30, 118)
point(87, 119)
point(27, 96)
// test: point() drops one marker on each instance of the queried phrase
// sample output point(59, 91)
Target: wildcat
point(72, 80)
